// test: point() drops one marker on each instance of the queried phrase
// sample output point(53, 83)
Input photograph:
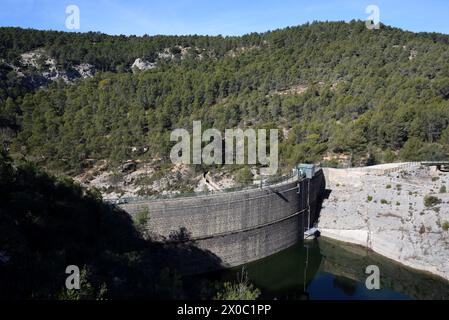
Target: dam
point(241, 226)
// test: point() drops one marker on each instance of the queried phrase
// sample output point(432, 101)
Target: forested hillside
point(331, 88)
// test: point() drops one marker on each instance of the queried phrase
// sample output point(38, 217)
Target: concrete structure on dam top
point(237, 227)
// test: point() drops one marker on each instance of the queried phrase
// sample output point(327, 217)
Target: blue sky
point(231, 17)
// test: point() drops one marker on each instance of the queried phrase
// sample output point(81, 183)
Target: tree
point(411, 150)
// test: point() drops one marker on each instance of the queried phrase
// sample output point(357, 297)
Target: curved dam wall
point(237, 227)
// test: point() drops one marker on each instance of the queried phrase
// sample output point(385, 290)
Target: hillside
point(333, 88)
point(49, 223)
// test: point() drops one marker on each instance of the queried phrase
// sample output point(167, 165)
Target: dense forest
point(335, 87)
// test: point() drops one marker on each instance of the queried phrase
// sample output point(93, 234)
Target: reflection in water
point(348, 286)
point(325, 269)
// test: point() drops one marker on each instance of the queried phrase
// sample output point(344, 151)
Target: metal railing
point(380, 171)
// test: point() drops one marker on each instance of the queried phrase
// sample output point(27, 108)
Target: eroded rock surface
point(384, 208)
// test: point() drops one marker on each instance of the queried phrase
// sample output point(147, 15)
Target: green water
point(325, 269)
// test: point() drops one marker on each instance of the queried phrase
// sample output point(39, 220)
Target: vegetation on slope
point(380, 95)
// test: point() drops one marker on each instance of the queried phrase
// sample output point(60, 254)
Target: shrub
point(244, 176)
point(422, 229)
point(431, 201)
point(383, 201)
point(443, 189)
point(445, 226)
point(388, 186)
point(370, 198)
point(242, 290)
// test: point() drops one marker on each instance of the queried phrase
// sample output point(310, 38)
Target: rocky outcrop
point(142, 65)
point(85, 70)
point(39, 69)
point(384, 208)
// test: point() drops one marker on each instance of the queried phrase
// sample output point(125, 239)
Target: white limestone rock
point(386, 213)
point(85, 70)
point(142, 65)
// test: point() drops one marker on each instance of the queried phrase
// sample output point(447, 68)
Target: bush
point(242, 290)
point(445, 226)
point(443, 189)
point(422, 229)
point(369, 199)
point(244, 176)
point(431, 201)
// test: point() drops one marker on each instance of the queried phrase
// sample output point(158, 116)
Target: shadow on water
point(300, 263)
point(350, 261)
point(284, 275)
point(326, 269)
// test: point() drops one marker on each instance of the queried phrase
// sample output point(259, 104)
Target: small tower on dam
point(306, 174)
point(240, 226)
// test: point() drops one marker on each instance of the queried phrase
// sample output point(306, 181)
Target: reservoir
point(326, 269)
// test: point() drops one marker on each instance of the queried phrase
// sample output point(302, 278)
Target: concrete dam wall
point(237, 227)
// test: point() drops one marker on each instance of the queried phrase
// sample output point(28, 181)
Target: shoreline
point(344, 236)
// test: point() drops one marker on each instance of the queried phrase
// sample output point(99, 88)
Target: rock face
point(39, 69)
point(85, 70)
point(142, 65)
point(384, 209)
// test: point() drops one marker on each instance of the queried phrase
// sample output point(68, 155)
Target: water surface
point(326, 269)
